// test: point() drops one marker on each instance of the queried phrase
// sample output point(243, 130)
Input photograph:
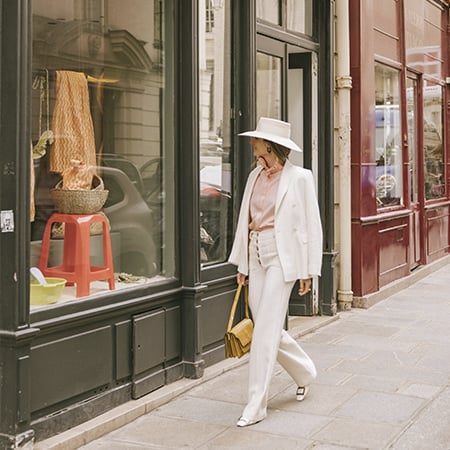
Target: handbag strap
point(235, 302)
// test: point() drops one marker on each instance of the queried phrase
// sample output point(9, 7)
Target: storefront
point(147, 99)
point(400, 152)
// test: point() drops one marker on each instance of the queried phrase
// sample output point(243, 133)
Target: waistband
point(263, 233)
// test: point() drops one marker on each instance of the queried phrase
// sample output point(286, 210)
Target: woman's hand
point(305, 287)
point(241, 278)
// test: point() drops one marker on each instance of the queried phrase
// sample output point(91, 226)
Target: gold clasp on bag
point(238, 338)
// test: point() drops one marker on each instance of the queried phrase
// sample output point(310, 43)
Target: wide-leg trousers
point(268, 298)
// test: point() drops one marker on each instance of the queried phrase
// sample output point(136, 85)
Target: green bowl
point(46, 294)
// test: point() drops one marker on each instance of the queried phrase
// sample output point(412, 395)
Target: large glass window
point(101, 112)
point(388, 137)
point(432, 140)
point(215, 132)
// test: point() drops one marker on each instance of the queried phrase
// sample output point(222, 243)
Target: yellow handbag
point(238, 338)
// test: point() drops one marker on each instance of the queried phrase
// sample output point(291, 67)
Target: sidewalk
point(383, 383)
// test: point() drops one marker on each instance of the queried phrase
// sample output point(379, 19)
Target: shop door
point(286, 90)
point(416, 202)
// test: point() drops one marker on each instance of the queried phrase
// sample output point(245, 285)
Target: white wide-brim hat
point(274, 130)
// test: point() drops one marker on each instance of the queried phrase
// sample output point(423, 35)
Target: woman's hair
point(280, 151)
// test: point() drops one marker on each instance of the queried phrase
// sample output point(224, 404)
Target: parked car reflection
point(130, 216)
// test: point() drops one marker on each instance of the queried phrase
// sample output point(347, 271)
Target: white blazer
point(298, 229)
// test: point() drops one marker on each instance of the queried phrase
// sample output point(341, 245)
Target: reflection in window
point(299, 16)
point(268, 86)
point(432, 140)
point(269, 10)
point(215, 134)
point(388, 137)
point(112, 58)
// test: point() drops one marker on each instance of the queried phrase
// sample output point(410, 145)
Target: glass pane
point(423, 37)
point(268, 86)
point(411, 105)
point(432, 140)
point(269, 10)
point(101, 85)
point(388, 137)
point(215, 135)
point(300, 16)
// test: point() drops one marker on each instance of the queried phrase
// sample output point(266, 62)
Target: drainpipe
point(343, 86)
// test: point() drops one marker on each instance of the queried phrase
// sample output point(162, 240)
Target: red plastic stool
point(76, 265)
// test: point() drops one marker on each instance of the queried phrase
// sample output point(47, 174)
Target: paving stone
point(202, 410)
point(359, 434)
point(318, 446)
point(380, 407)
point(411, 374)
point(321, 400)
point(352, 352)
point(291, 424)
point(331, 376)
point(375, 383)
point(431, 429)
point(380, 343)
point(246, 439)
point(155, 430)
point(420, 390)
point(119, 445)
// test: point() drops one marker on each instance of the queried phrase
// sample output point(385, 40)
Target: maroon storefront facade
point(400, 154)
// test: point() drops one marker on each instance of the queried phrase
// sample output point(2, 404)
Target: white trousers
point(268, 298)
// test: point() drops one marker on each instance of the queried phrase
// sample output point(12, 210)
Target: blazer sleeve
point(239, 250)
point(314, 226)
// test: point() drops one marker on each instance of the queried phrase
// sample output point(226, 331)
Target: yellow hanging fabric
point(72, 122)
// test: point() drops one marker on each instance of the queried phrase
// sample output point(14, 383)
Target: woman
point(278, 240)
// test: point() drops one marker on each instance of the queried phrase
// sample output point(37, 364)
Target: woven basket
point(70, 201)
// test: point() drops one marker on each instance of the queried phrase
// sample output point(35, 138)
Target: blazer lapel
point(285, 178)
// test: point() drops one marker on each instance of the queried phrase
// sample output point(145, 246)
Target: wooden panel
point(364, 258)
point(437, 233)
point(70, 366)
point(393, 247)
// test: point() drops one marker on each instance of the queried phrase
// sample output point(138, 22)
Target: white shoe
point(302, 392)
point(243, 422)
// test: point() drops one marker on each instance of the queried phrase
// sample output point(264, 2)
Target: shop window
point(388, 134)
point(101, 108)
point(432, 140)
point(215, 131)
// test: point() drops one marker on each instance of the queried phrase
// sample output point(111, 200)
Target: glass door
point(285, 90)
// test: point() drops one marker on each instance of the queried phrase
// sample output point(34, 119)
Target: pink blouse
point(263, 199)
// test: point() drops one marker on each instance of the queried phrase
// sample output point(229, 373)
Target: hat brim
point(270, 137)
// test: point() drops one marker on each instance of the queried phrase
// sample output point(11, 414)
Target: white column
point(343, 86)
